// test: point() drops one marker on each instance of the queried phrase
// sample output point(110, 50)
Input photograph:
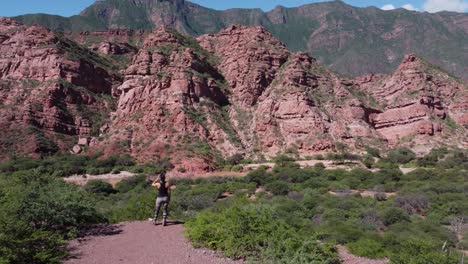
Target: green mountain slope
point(350, 40)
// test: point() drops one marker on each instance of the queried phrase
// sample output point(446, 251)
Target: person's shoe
point(153, 221)
point(164, 223)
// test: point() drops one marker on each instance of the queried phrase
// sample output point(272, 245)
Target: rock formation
point(197, 101)
point(417, 100)
point(48, 85)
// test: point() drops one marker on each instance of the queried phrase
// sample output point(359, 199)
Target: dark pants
point(164, 202)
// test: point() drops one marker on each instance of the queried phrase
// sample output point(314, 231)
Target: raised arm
point(156, 183)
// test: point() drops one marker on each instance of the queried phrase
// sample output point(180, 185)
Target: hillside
point(349, 40)
point(200, 101)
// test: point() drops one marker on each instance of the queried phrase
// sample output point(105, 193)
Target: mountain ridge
point(351, 41)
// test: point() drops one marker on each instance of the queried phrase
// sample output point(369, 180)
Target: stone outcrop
point(417, 100)
point(169, 97)
point(249, 59)
point(47, 84)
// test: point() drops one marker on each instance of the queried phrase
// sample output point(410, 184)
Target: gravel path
point(140, 243)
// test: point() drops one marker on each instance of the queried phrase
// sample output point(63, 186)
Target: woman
point(164, 195)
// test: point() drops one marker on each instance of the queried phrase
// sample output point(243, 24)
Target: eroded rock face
point(309, 108)
point(110, 48)
point(249, 59)
point(45, 88)
point(238, 91)
point(417, 100)
point(167, 98)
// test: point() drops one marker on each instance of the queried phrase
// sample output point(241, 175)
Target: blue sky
point(72, 7)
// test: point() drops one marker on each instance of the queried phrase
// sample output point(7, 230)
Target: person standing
point(163, 199)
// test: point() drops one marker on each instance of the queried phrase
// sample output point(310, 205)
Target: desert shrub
point(319, 166)
point(319, 157)
point(412, 203)
point(380, 196)
point(37, 214)
point(277, 187)
point(419, 251)
point(237, 168)
point(251, 230)
point(373, 152)
point(393, 215)
point(260, 176)
point(371, 220)
point(401, 155)
point(99, 187)
point(189, 200)
point(283, 160)
point(235, 159)
point(368, 162)
point(367, 248)
point(128, 184)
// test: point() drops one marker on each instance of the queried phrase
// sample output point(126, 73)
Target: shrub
point(393, 215)
point(99, 187)
point(237, 168)
point(249, 230)
point(368, 162)
point(278, 188)
point(128, 184)
point(401, 155)
point(413, 203)
point(37, 214)
point(319, 157)
point(283, 160)
point(235, 159)
point(419, 251)
point(319, 166)
point(373, 152)
point(380, 196)
point(367, 248)
point(260, 176)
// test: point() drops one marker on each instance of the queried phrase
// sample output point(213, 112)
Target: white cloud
point(410, 7)
point(447, 5)
point(388, 7)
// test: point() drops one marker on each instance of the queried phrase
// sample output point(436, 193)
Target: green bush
point(260, 176)
point(418, 251)
point(277, 187)
point(128, 184)
point(367, 248)
point(237, 168)
point(37, 214)
point(99, 187)
point(283, 160)
point(393, 215)
point(368, 162)
point(250, 230)
point(401, 155)
point(373, 152)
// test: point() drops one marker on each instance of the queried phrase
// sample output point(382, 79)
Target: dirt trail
point(348, 258)
point(143, 243)
point(140, 243)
